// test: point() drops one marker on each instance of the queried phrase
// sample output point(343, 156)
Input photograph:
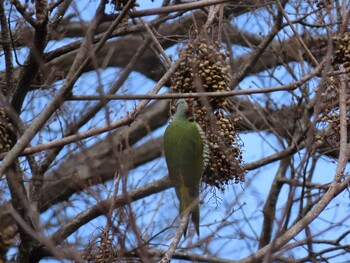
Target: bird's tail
point(191, 205)
point(195, 217)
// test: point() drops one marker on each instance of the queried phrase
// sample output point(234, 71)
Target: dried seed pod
point(330, 97)
point(6, 129)
point(211, 71)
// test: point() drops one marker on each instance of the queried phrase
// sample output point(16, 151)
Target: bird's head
point(182, 109)
point(181, 104)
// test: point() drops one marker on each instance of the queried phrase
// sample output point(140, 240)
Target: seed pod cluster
point(102, 250)
point(330, 96)
point(119, 4)
point(225, 161)
point(5, 129)
point(342, 51)
point(204, 68)
point(323, 4)
point(330, 112)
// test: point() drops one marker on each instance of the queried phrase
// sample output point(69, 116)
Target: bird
point(186, 156)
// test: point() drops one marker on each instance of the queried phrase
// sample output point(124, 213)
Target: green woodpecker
point(186, 155)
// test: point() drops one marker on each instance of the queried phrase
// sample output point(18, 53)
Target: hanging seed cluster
point(342, 52)
point(330, 96)
point(225, 161)
point(203, 68)
point(102, 250)
point(5, 128)
point(119, 4)
point(323, 4)
point(330, 111)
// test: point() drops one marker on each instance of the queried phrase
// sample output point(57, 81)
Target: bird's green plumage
point(183, 148)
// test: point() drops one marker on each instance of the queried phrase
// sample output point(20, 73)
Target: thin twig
point(174, 8)
point(58, 253)
point(336, 187)
point(93, 109)
point(179, 233)
point(156, 42)
point(307, 50)
point(257, 53)
point(55, 102)
point(6, 45)
point(343, 147)
point(213, 11)
point(34, 23)
point(102, 207)
point(288, 87)
point(153, 95)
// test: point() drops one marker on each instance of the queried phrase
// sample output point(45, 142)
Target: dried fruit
point(5, 130)
point(204, 69)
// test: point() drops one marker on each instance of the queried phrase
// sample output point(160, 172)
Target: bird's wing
point(183, 148)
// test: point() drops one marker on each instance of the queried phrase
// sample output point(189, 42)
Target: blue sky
point(245, 202)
